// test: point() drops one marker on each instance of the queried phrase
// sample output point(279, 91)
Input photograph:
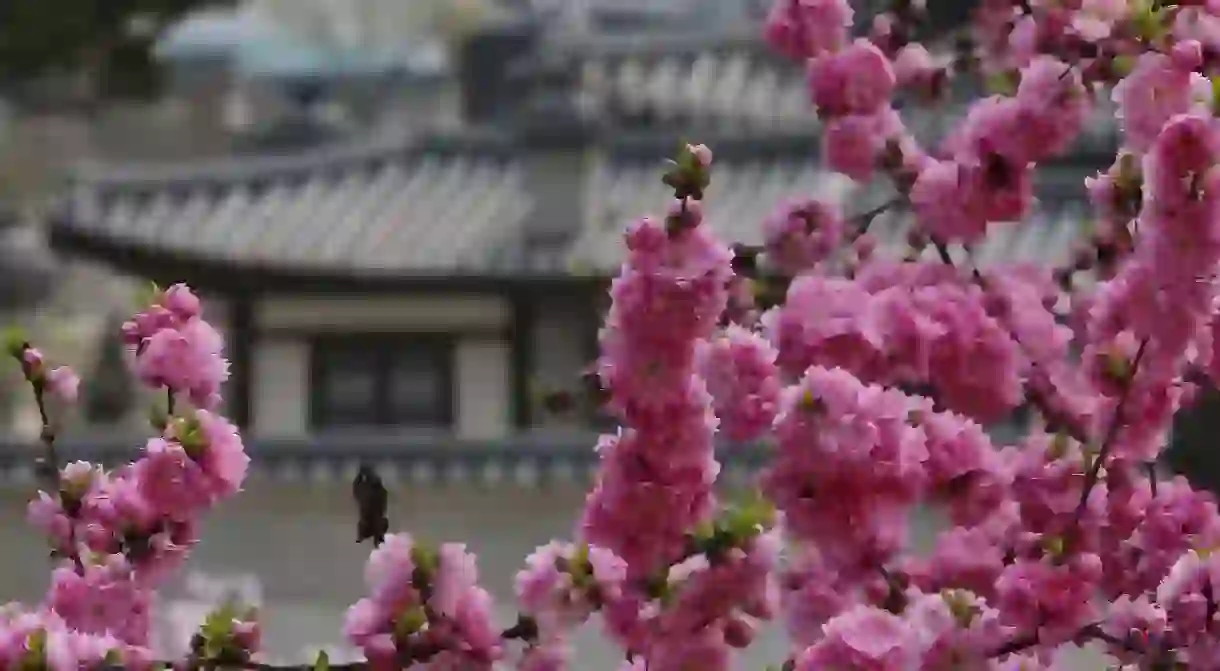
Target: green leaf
point(158, 416)
point(1122, 65)
point(426, 558)
point(218, 624)
point(580, 560)
point(749, 518)
point(809, 402)
point(1059, 446)
point(322, 663)
point(15, 340)
point(150, 294)
point(189, 433)
point(1149, 21)
point(580, 568)
point(1118, 367)
point(1003, 83)
point(411, 621)
point(962, 605)
point(36, 643)
point(704, 531)
point(1054, 546)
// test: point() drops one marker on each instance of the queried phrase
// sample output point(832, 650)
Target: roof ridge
point(238, 168)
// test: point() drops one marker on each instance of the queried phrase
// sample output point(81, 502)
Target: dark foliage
point(108, 42)
point(110, 390)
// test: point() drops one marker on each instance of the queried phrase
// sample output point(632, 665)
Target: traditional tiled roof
point(395, 208)
point(727, 82)
point(439, 210)
point(528, 461)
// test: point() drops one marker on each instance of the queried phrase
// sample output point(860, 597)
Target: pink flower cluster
point(1060, 538)
point(871, 376)
point(425, 607)
point(116, 533)
point(177, 349)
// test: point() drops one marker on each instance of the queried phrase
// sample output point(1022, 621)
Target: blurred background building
point(404, 216)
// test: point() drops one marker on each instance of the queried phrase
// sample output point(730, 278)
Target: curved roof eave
point(224, 275)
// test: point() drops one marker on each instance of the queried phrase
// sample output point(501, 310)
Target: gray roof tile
point(739, 87)
point(434, 211)
point(417, 211)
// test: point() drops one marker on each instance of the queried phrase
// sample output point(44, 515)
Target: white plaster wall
point(482, 386)
point(280, 387)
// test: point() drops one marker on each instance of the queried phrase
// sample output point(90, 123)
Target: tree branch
point(1112, 431)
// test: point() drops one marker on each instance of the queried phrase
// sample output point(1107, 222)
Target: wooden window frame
point(383, 347)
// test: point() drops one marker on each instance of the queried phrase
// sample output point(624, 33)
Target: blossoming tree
point(1066, 537)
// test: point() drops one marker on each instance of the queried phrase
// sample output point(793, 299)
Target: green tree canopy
point(107, 42)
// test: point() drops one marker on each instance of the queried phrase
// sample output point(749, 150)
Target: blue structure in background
point(257, 49)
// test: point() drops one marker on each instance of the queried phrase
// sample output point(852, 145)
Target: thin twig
point(1111, 436)
point(48, 466)
point(1088, 632)
point(867, 217)
point(524, 630)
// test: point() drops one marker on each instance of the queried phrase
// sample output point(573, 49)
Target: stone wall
point(298, 540)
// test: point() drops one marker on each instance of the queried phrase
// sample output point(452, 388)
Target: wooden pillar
point(521, 334)
point(241, 350)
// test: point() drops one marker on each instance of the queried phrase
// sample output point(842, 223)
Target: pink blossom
point(741, 375)
point(1097, 18)
point(1050, 600)
point(864, 638)
point(1156, 90)
point(562, 584)
point(186, 359)
point(170, 480)
point(63, 383)
point(853, 143)
point(182, 302)
point(803, 29)
point(552, 656)
point(457, 574)
point(857, 80)
point(801, 234)
point(914, 66)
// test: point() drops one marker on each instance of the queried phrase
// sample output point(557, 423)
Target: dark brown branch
point(1088, 632)
point(524, 630)
point(867, 217)
point(47, 467)
point(1116, 422)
